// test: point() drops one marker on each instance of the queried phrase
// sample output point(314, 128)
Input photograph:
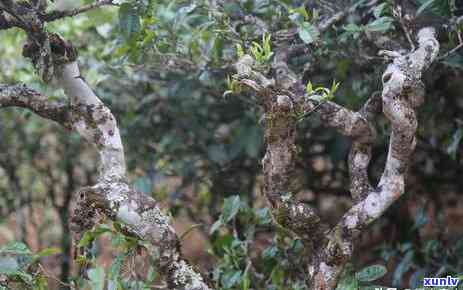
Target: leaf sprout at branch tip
point(322, 94)
point(262, 53)
point(233, 87)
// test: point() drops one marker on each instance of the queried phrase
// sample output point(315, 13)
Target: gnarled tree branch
point(22, 96)
point(402, 92)
point(94, 121)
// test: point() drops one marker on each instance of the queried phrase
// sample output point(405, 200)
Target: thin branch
point(11, 8)
point(51, 276)
point(452, 51)
point(55, 15)
point(22, 96)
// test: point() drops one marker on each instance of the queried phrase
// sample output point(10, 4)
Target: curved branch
point(138, 212)
point(55, 15)
point(356, 125)
point(278, 163)
point(402, 92)
point(22, 96)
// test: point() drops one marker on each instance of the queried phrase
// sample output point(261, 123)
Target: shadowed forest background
point(164, 68)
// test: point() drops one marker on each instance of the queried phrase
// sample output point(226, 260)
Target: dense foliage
point(194, 140)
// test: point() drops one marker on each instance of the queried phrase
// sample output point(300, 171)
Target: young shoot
point(322, 94)
point(262, 53)
point(239, 50)
point(233, 87)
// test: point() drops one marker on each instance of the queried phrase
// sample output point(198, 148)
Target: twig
point(453, 50)
point(55, 15)
point(12, 12)
point(397, 12)
point(48, 275)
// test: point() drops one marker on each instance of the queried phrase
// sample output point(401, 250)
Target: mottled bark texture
point(283, 100)
point(403, 91)
point(281, 107)
point(22, 96)
point(85, 113)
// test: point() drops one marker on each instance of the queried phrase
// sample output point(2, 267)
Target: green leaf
point(216, 226)
point(231, 279)
point(97, 278)
point(239, 50)
point(15, 248)
point(309, 88)
point(379, 10)
point(348, 283)
point(263, 216)
point(26, 277)
point(416, 280)
point(308, 33)
point(402, 268)
point(440, 8)
point(300, 11)
point(186, 10)
point(270, 252)
point(231, 207)
point(382, 24)
point(86, 239)
point(277, 276)
point(371, 273)
point(48, 252)
point(89, 236)
point(424, 6)
point(352, 27)
point(246, 281)
point(129, 21)
point(40, 282)
point(452, 149)
point(420, 218)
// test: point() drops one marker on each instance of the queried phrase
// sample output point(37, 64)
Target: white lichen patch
point(286, 197)
point(155, 223)
point(116, 192)
point(186, 278)
point(311, 270)
point(328, 272)
point(373, 205)
point(352, 220)
point(127, 214)
point(284, 101)
point(361, 159)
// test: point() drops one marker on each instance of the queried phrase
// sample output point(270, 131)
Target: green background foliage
point(162, 68)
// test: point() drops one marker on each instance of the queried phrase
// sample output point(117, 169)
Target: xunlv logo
point(449, 282)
